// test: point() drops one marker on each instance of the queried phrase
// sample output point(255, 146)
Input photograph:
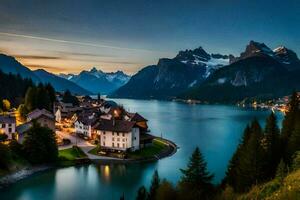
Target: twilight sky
point(72, 35)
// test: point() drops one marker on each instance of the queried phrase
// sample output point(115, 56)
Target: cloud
point(74, 42)
point(36, 57)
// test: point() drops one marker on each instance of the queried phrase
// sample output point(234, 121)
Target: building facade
point(7, 125)
point(43, 117)
point(118, 135)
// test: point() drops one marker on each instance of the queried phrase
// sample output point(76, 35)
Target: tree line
point(40, 96)
point(13, 88)
point(262, 155)
point(262, 152)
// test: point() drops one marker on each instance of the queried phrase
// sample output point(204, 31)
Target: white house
point(118, 135)
point(84, 124)
point(7, 125)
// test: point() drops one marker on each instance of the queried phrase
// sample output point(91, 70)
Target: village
point(102, 129)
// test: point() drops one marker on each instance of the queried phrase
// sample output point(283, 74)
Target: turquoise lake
point(215, 129)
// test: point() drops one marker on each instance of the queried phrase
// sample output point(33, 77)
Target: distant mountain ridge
point(172, 76)
point(98, 81)
point(196, 74)
point(9, 64)
point(259, 72)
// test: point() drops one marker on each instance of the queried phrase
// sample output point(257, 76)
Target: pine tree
point(293, 142)
point(272, 146)
point(154, 186)
point(195, 182)
point(289, 125)
point(252, 160)
point(231, 173)
point(142, 193)
point(30, 103)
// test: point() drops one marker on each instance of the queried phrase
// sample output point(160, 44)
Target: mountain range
point(170, 77)
point(86, 83)
point(9, 64)
point(98, 81)
point(195, 74)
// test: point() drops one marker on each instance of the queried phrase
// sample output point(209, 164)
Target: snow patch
point(221, 80)
point(192, 83)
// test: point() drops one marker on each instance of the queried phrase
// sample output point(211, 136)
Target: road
point(84, 145)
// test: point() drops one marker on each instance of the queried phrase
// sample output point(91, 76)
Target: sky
point(67, 36)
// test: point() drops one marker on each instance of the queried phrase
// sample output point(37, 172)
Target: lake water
point(215, 129)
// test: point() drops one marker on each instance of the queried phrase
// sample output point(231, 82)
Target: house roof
point(6, 119)
point(110, 104)
point(136, 117)
point(87, 119)
point(115, 125)
point(23, 127)
point(37, 113)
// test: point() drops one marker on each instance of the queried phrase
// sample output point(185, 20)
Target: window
point(113, 139)
point(117, 134)
point(134, 138)
point(123, 145)
point(104, 137)
point(9, 130)
point(103, 132)
point(113, 144)
point(123, 134)
point(123, 140)
point(113, 133)
point(9, 125)
point(103, 143)
point(118, 139)
point(3, 125)
point(118, 145)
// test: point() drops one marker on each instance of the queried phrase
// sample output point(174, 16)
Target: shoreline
point(16, 176)
point(24, 173)
point(164, 154)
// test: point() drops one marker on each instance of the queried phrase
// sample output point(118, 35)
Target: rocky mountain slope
point(60, 84)
point(171, 77)
point(258, 72)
